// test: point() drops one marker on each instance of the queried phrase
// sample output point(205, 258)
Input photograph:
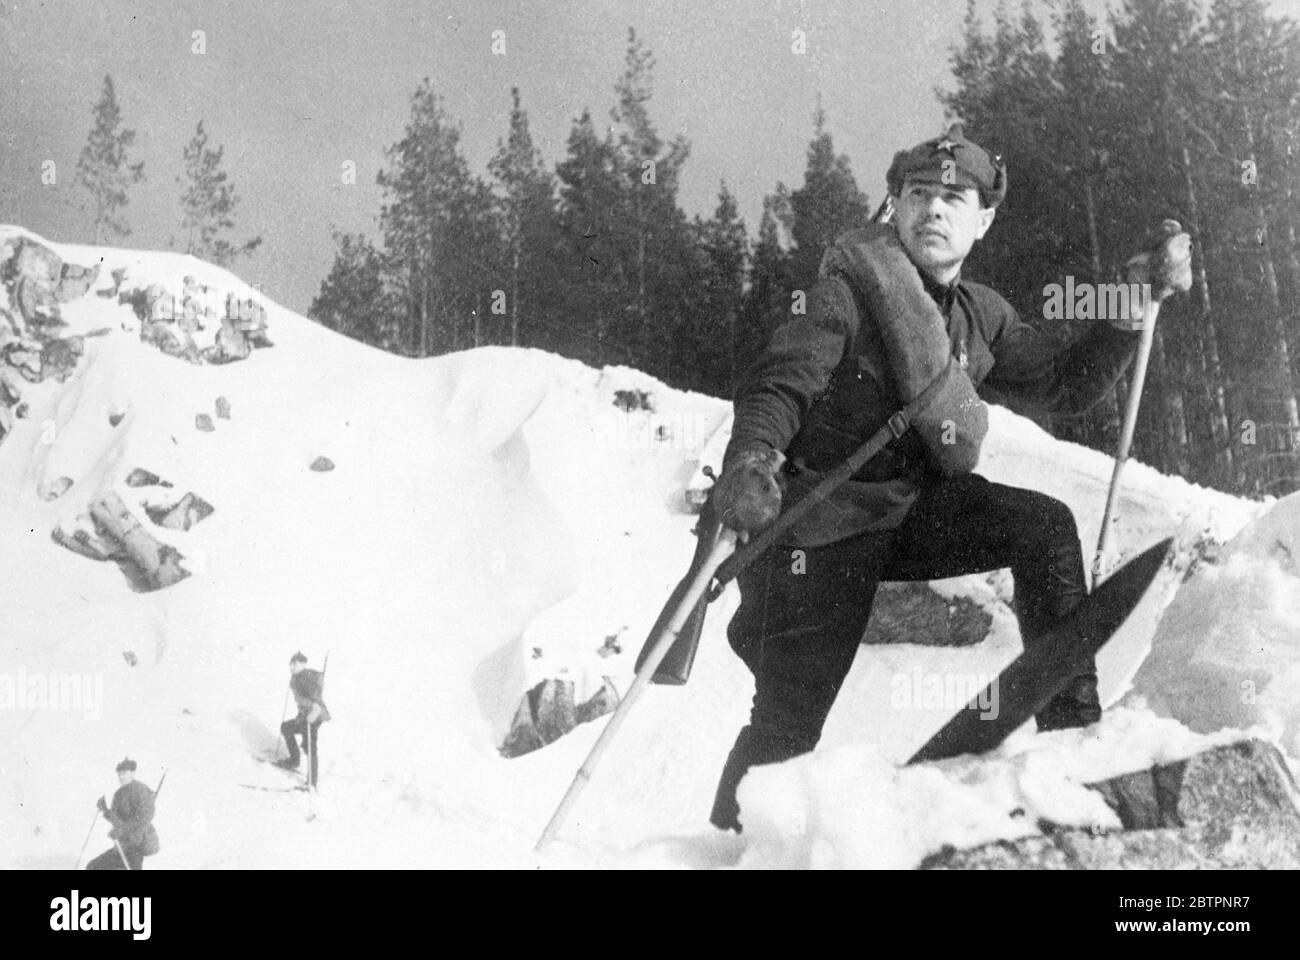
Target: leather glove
point(747, 496)
point(1166, 264)
point(103, 807)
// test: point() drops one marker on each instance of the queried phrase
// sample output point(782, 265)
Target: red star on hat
point(947, 145)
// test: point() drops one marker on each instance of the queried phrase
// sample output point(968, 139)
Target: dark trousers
point(291, 730)
point(798, 630)
point(110, 859)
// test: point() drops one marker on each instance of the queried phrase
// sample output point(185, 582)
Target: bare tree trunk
point(424, 315)
point(1211, 366)
point(1284, 382)
point(1171, 397)
point(641, 284)
point(640, 279)
point(731, 350)
point(1108, 413)
point(514, 296)
point(413, 310)
point(478, 316)
point(1292, 263)
point(1283, 379)
point(1170, 387)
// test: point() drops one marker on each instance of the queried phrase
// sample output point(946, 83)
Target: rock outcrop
point(547, 712)
point(914, 612)
point(1231, 807)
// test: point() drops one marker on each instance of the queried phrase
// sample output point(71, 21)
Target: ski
point(271, 761)
point(1032, 679)
point(264, 789)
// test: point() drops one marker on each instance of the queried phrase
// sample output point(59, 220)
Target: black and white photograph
point(641, 435)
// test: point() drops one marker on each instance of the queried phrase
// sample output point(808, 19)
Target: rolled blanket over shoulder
point(917, 348)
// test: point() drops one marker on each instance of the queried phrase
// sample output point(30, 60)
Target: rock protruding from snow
point(547, 712)
point(139, 477)
point(37, 280)
point(193, 327)
point(153, 563)
point(188, 511)
point(1233, 807)
point(914, 613)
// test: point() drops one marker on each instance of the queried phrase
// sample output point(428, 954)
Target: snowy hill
point(491, 519)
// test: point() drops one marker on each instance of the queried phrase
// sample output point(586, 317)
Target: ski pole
point(311, 755)
point(283, 712)
point(1101, 561)
point(312, 763)
point(117, 843)
point(85, 843)
point(723, 547)
point(1150, 311)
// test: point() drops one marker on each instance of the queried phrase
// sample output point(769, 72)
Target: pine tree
point(1248, 56)
point(766, 303)
point(709, 340)
point(828, 203)
point(530, 224)
point(440, 230)
point(590, 205)
point(103, 168)
point(208, 204)
point(652, 233)
point(357, 298)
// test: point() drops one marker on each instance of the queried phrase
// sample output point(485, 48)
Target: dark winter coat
point(874, 337)
point(308, 688)
point(132, 817)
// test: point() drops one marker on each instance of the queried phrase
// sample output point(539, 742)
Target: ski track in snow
point(483, 504)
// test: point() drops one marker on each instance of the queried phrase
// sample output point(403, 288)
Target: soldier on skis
point(307, 687)
point(131, 815)
point(890, 318)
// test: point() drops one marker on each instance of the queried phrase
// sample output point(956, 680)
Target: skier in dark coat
point(308, 689)
point(132, 818)
point(889, 317)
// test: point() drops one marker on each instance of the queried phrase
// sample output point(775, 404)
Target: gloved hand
point(1166, 263)
point(103, 807)
point(747, 496)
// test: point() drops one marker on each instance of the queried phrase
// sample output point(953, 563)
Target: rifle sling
point(893, 428)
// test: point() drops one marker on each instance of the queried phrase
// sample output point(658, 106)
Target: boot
point(754, 746)
point(1078, 705)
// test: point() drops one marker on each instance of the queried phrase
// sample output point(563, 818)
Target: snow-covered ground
point(493, 517)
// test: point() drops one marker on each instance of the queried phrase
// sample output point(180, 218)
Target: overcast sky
point(294, 88)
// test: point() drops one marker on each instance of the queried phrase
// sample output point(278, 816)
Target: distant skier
point(132, 818)
point(308, 688)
